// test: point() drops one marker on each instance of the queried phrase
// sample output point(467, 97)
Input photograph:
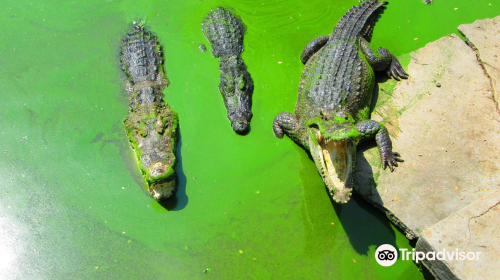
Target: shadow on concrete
point(364, 176)
point(426, 272)
point(375, 94)
point(364, 224)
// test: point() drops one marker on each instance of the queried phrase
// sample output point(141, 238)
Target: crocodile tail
point(359, 20)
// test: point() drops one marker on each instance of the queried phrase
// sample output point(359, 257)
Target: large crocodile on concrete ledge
point(225, 34)
point(333, 106)
point(151, 125)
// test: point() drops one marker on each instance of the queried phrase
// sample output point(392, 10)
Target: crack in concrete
point(477, 216)
point(491, 65)
point(470, 235)
point(482, 63)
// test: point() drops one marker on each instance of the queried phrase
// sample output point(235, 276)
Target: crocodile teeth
point(320, 137)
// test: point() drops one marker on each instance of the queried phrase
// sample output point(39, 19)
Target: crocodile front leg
point(314, 46)
point(382, 60)
point(286, 123)
point(370, 129)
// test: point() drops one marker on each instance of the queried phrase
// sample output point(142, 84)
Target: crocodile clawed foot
point(391, 160)
point(285, 123)
point(396, 71)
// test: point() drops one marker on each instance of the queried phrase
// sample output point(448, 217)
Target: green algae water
point(72, 205)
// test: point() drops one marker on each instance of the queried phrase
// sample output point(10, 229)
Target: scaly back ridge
point(358, 20)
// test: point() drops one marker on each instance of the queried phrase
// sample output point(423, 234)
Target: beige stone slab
point(484, 37)
point(472, 230)
point(444, 123)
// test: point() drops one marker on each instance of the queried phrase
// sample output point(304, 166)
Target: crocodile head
point(236, 87)
point(154, 141)
point(158, 167)
point(332, 144)
point(162, 181)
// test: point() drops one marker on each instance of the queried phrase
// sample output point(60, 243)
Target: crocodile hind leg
point(314, 46)
point(370, 129)
point(382, 60)
point(286, 123)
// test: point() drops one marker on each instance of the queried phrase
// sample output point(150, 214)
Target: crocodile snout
point(240, 127)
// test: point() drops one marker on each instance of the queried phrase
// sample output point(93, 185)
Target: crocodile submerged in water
point(333, 106)
point(225, 34)
point(151, 124)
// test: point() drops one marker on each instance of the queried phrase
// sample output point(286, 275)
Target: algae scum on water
point(72, 200)
point(151, 124)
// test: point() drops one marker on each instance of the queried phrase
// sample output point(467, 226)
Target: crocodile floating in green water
point(333, 107)
point(225, 34)
point(151, 124)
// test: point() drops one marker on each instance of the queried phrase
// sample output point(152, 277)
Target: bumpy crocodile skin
point(151, 124)
point(335, 92)
point(225, 34)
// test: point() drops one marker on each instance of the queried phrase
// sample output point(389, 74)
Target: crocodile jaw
point(165, 187)
point(162, 190)
point(335, 162)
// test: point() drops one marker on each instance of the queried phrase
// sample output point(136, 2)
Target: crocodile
point(333, 106)
point(151, 124)
point(225, 34)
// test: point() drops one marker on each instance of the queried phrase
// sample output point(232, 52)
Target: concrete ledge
point(445, 122)
point(472, 229)
point(484, 37)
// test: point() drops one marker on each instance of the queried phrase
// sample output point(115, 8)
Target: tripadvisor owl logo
point(386, 255)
